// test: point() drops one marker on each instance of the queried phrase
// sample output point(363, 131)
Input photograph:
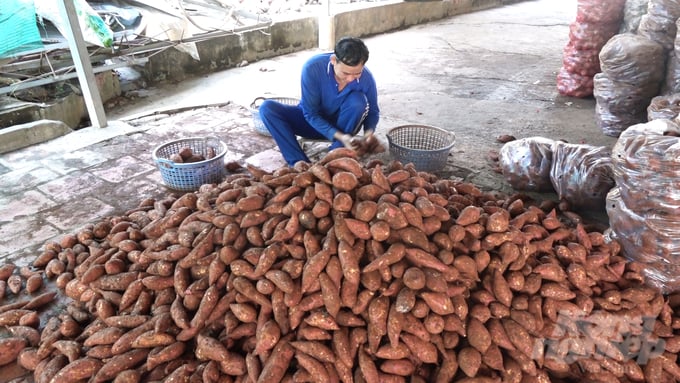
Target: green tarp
point(18, 27)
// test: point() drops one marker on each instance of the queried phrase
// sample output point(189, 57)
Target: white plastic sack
point(94, 29)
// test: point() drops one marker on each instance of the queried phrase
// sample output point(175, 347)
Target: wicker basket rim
point(258, 100)
point(427, 127)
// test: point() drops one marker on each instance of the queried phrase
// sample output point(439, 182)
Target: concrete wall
point(229, 51)
point(70, 109)
point(375, 20)
point(301, 34)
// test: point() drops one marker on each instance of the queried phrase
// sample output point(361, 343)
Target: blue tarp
point(18, 27)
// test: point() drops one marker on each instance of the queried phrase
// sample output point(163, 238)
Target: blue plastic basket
point(427, 147)
point(190, 176)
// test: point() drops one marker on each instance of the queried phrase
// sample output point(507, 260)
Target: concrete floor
point(478, 75)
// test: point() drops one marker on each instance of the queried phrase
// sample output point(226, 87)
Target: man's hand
point(346, 140)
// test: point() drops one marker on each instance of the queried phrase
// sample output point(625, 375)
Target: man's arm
point(312, 79)
point(371, 91)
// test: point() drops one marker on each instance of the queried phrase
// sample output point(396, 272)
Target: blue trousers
point(287, 122)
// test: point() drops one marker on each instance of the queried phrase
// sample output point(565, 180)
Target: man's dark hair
point(351, 51)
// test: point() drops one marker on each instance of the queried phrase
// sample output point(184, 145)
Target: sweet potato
point(349, 261)
point(414, 278)
point(367, 367)
point(400, 367)
point(72, 349)
point(274, 368)
point(45, 372)
point(392, 255)
point(556, 291)
point(10, 348)
point(12, 317)
point(117, 282)
point(151, 339)
point(377, 321)
point(415, 237)
point(322, 320)
point(160, 355)
point(388, 351)
point(478, 335)
point(77, 370)
point(344, 181)
point(469, 361)
point(313, 366)
point(422, 350)
point(421, 258)
point(501, 288)
point(365, 210)
point(267, 336)
point(392, 215)
point(439, 303)
point(118, 363)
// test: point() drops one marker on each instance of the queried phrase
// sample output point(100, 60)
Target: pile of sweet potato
point(338, 271)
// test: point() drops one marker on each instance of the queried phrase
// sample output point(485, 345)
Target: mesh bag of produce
point(666, 107)
point(634, 59)
point(574, 85)
point(580, 61)
point(526, 163)
point(587, 35)
point(599, 11)
point(595, 24)
point(581, 174)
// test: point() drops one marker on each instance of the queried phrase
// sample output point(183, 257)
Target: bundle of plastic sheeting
point(659, 24)
point(644, 207)
point(664, 107)
point(633, 11)
point(672, 81)
point(526, 163)
point(581, 175)
point(632, 71)
point(596, 22)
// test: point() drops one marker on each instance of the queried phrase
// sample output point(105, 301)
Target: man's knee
point(266, 107)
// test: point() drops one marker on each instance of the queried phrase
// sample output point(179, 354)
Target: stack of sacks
point(596, 22)
point(659, 24)
point(672, 82)
point(633, 11)
point(632, 70)
point(644, 207)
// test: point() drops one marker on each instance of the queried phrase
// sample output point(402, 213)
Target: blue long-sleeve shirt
point(321, 100)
